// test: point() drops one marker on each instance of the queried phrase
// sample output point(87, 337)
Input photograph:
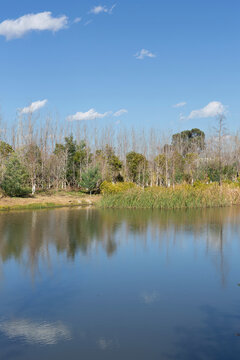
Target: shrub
point(110, 188)
point(16, 178)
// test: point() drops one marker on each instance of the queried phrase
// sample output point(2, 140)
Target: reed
point(181, 196)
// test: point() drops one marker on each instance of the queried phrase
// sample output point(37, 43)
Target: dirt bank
point(47, 201)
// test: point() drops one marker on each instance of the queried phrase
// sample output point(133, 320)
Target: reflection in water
point(43, 333)
point(130, 284)
point(28, 236)
point(107, 344)
point(150, 298)
point(214, 339)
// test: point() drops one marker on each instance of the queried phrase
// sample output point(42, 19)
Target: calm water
point(91, 284)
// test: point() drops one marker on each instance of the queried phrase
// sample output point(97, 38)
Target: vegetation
point(44, 158)
point(15, 178)
point(137, 168)
point(91, 180)
point(119, 187)
point(188, 141)
point(182, 196)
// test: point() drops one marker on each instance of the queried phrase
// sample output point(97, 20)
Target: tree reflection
point(28, 236)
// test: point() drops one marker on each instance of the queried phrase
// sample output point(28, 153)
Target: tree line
point(34, 157)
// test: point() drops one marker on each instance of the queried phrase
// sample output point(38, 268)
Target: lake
point(120, 284)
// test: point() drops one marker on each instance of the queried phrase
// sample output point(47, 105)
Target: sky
point(171, 65)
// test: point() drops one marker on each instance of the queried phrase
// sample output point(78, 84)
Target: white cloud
point(33, 332)
point(87, 22)
point(13, 29)
point(77, 20)
point(182, 117)
point(120, 112)
point(144, 53)
point(178, 105)
point(213, 109)
point(36, 105)
point(102, 9)
point(88, 115)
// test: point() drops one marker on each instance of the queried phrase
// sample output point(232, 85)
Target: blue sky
point(96, 63)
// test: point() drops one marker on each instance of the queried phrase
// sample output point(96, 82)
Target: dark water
point(91, 284)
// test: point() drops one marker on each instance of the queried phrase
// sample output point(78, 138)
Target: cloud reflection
point(106, 344)
point(150, 298)
point(44, 333)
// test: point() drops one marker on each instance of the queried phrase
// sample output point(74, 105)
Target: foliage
point(110, 188)
point(182, 196)
point(33, 161)
point(113, 162)
point(5, 149)
point(81, 157)
point(189, 141)
point(59, 149)
point(91, 180)
point(110, 164)
point(136, 167)
point(16, 178)
point(75, 158)
point(62, 165)
point(70, 148)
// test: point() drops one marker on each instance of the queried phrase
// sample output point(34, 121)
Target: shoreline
point(180, 197)
point(47, 202)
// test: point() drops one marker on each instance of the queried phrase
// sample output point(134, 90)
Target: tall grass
point(182, 196)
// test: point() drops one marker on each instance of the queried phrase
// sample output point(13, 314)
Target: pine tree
point(91, 180)
point(15, 178)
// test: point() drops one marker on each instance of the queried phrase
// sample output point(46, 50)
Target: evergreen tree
point(16, 178)
point(189, 141)
point(71, 148)
point(91, 180)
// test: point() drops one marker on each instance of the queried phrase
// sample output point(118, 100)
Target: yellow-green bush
point(110, 188)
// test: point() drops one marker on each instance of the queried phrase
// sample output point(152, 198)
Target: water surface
point(120, 284)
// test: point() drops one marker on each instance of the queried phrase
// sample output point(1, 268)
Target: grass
point(73, 193)
point(182, 196)
point(47, 200)
point(37, 206)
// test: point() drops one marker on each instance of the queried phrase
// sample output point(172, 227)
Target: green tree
point(188, 141)
point(82, 158)
point(77, 158)
point(109, 164)
point(71, 148)
point(137, 167)
point(91, 180)
point(114, 164)
point(15, 180)
point(5, 151)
